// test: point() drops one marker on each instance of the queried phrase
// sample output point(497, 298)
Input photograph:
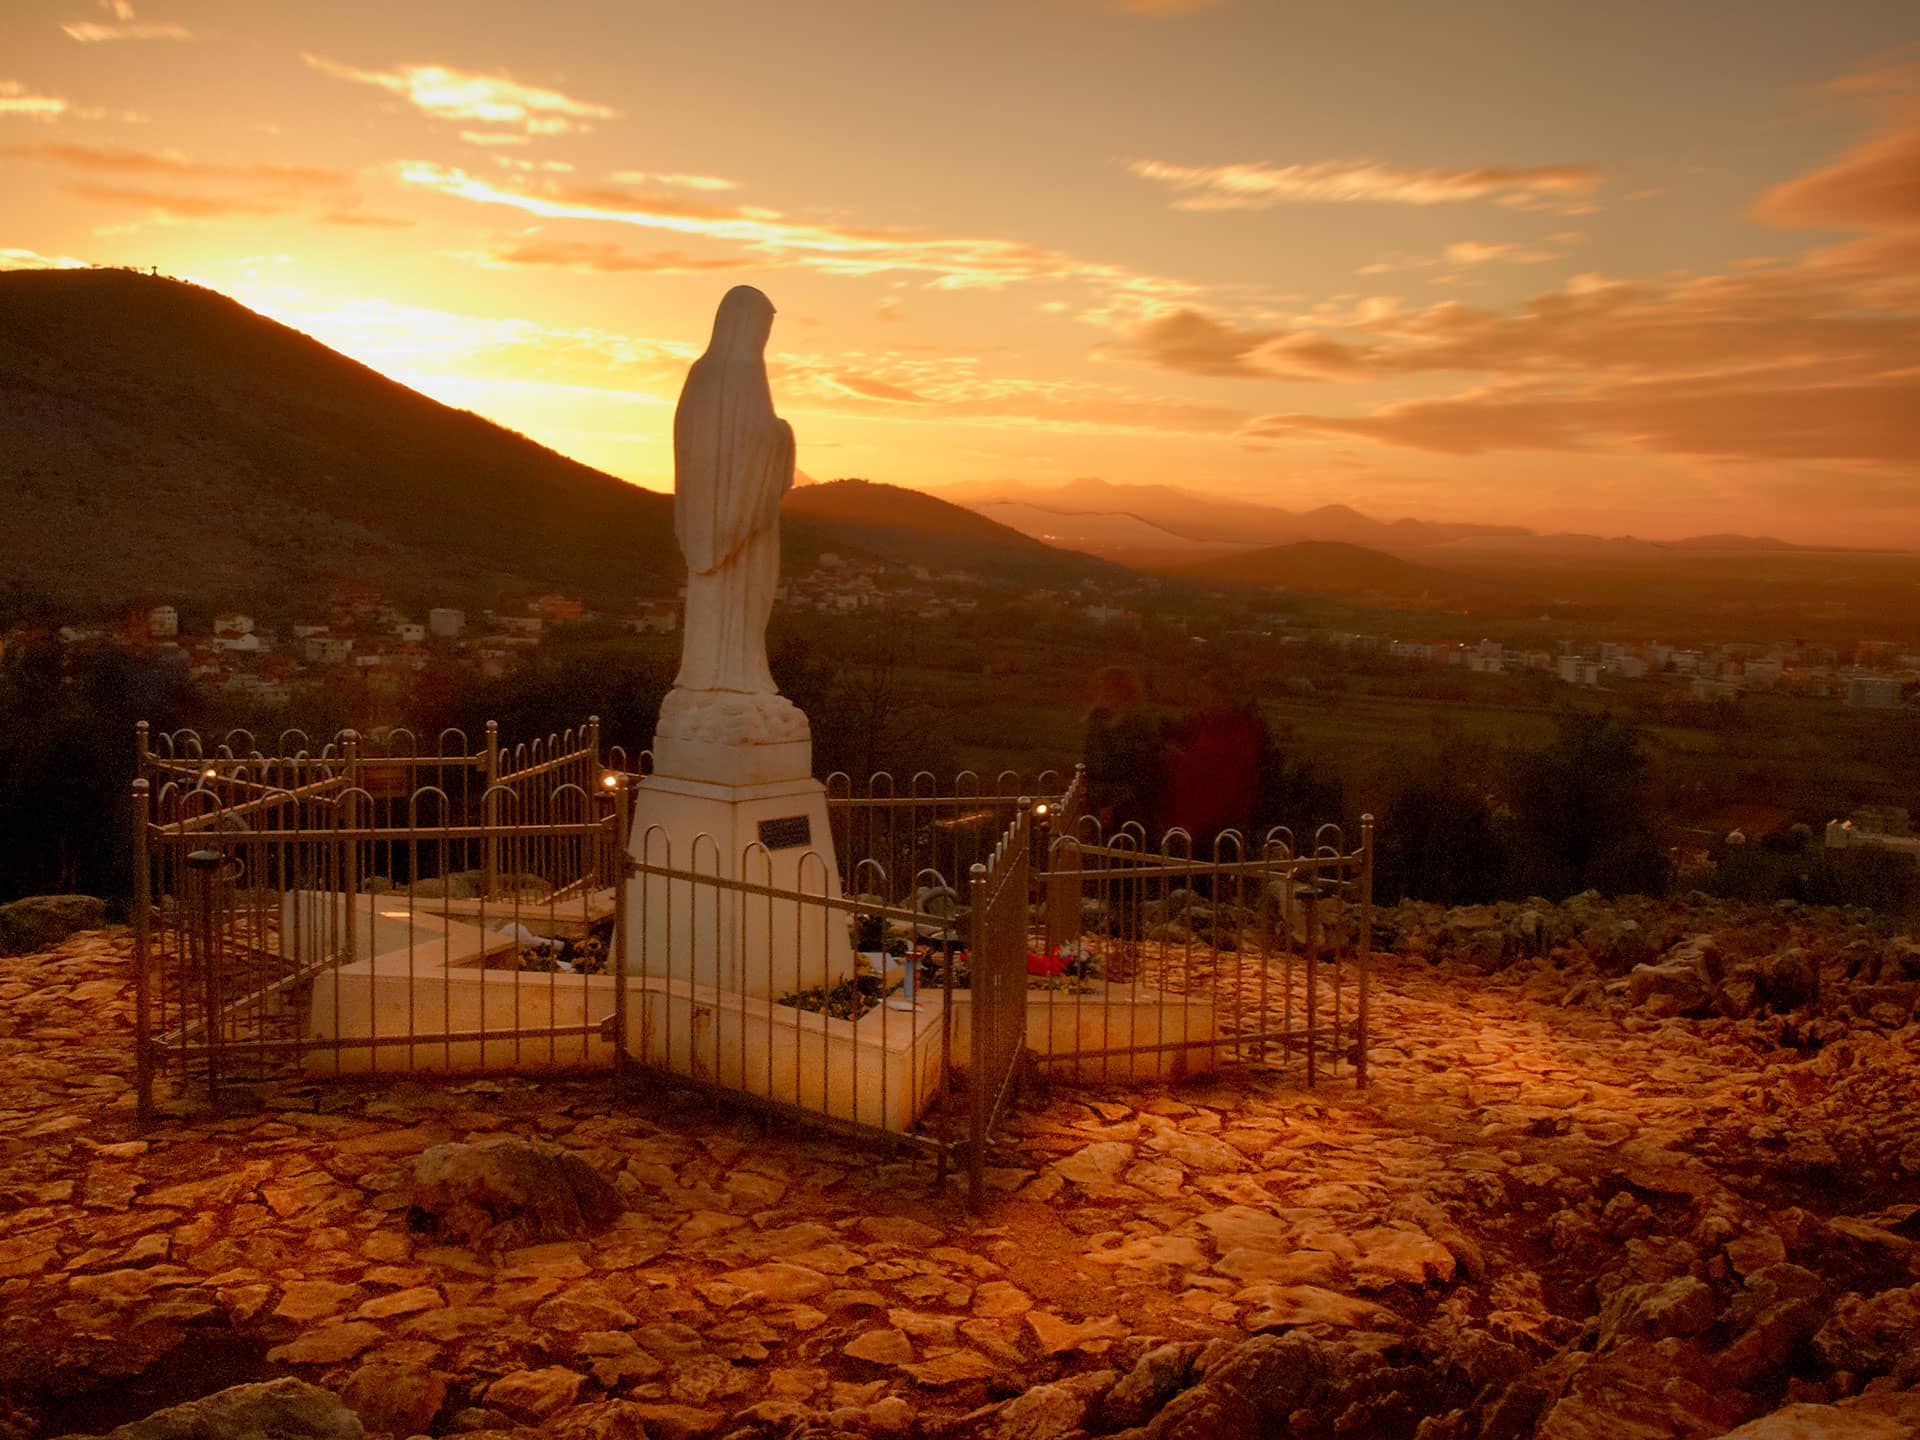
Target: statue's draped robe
point(732, 461)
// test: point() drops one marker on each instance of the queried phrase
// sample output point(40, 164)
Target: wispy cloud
point(672, 177)
point(1158, 8)
point(499, 100)
point(34, 260)
point(174, 165)
point(1512, 252)
point(263, 188)
point(607, 258)
point(1255, 186)
point(1874, 420)
point(364, 220)
point(16, 99)
point(124, 26)
point(958, 262)
point(1876, 185)
point(1468, 253)
point(1890, 77)
point(534, 167)
point(90, 32)
point(176, 206)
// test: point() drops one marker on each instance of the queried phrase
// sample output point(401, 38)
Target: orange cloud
point(89, 32)
point(125, 27)
point(670, 177)
point(16, 99)
point(1474, 252)
point(1729, 418)
point(33, 260)
point(176, 206)
point(583, 255)
point(875, 389)
point(1259, 186)
point(146, 162)
point(1874, 186)
point(365, 219)
point(1804, 317)
point(1191, 341)
point(449, 94)
point(1157, 8)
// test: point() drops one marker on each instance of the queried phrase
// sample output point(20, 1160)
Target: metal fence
point(371, 907)
point(1161, 961)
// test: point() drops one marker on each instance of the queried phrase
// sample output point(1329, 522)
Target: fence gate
point(997, 964)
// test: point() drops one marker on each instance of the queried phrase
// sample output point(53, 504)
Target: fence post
point(1366, 949)
point(350, 852)
point(980, 1021)
point(142, 920)
point(617, 944)
point(1060, 847)
point(1310, 966)
point(490, 803)
point(203, 867)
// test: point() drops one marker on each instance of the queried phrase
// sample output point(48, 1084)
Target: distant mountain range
point(1332, 567)
point(1156, 525)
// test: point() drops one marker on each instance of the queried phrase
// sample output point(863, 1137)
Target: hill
point(911, 526)
point(1330, 567)
point(160, 438)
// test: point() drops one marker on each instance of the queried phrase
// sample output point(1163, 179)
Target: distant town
point(360, 632)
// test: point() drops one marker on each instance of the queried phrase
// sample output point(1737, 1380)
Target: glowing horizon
point(1633, 272)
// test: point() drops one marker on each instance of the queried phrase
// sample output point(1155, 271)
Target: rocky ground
point(1632, 1171)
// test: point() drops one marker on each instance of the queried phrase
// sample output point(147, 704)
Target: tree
point(1582, 811)
point(1439, 837)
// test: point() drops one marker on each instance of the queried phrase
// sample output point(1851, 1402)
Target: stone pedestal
point(735, 812)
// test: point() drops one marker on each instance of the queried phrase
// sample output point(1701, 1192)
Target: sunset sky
point(1645, 267)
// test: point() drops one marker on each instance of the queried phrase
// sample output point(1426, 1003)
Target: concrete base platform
point(1074, 1036)
point(882, 1070)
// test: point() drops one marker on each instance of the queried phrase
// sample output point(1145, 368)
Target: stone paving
point(1512, 1156)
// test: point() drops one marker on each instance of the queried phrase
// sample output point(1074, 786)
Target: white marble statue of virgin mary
point(732, 463)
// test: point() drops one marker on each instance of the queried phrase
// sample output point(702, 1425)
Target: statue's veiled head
point(742, 323)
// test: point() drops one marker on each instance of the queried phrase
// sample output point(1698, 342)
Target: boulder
point(1670, 988)
point(1902, 959)
point(1789, 978)
point(395, 1399)
point(1053, 1411)
point(1869, 1417)
point(272, 1410)
point(1874, 1335)
point(1156, 1377)
point(1656, 1310)
point(1778, 1310)
point(532, 1396)
point(507, 1192)
point(1250, 1390)
point(38, 921)
point(1616, 944)
point(600, 1420)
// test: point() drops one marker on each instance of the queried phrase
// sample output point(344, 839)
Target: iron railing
point(369, 908)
